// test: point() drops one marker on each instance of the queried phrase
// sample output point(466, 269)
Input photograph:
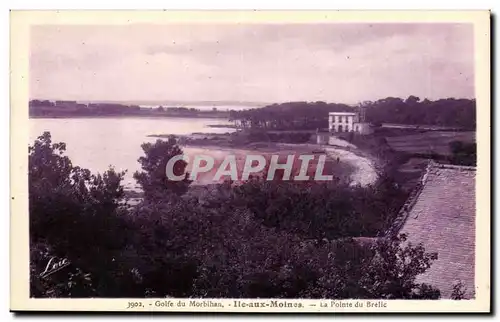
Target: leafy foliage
point(459, 291)
point(322, 210)
point(289, 116)
point(75, 214)
point(452, 112)
point(153, 178)
point(257, 240)
point(312, 115)
point(463, 153)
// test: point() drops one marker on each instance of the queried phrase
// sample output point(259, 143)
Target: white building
point(342, 121)
point(339, 122)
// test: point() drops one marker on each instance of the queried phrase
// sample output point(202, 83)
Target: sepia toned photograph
point(233, 163)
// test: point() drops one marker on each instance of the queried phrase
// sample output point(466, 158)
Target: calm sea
point(96, 143)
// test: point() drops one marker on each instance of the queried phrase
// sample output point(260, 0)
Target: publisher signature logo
point(54, 265)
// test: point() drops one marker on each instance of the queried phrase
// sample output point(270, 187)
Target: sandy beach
point(359, 169)
point(343, 163)
point(364, 173)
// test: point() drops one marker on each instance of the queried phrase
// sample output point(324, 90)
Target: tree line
point(46, 108)
point(450, 112)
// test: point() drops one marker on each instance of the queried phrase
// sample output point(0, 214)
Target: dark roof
point(443, 220)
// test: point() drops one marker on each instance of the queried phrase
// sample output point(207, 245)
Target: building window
point(340, 128)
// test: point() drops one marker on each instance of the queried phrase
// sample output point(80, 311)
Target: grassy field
point(429, 142)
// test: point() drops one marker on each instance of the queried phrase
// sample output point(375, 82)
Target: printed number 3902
point(132, 305)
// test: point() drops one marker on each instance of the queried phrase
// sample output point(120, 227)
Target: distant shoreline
point(129, 116)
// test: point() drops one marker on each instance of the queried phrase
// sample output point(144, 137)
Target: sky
point(334, 62)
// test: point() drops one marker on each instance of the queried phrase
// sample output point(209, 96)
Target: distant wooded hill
point(458, 113)
point(39, 108)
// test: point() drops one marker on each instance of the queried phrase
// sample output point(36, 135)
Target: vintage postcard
point(250, 161)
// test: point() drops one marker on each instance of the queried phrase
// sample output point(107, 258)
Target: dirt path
point(365, 173)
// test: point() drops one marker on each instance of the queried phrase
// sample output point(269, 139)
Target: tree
point(76, 215)
point(412, 100)
point(153, 179)
point(311, 115)
point(459, 291)
point(218, 249)
point(322, 210)
point(463, 153)
point(392, 272)
point(291, 115)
